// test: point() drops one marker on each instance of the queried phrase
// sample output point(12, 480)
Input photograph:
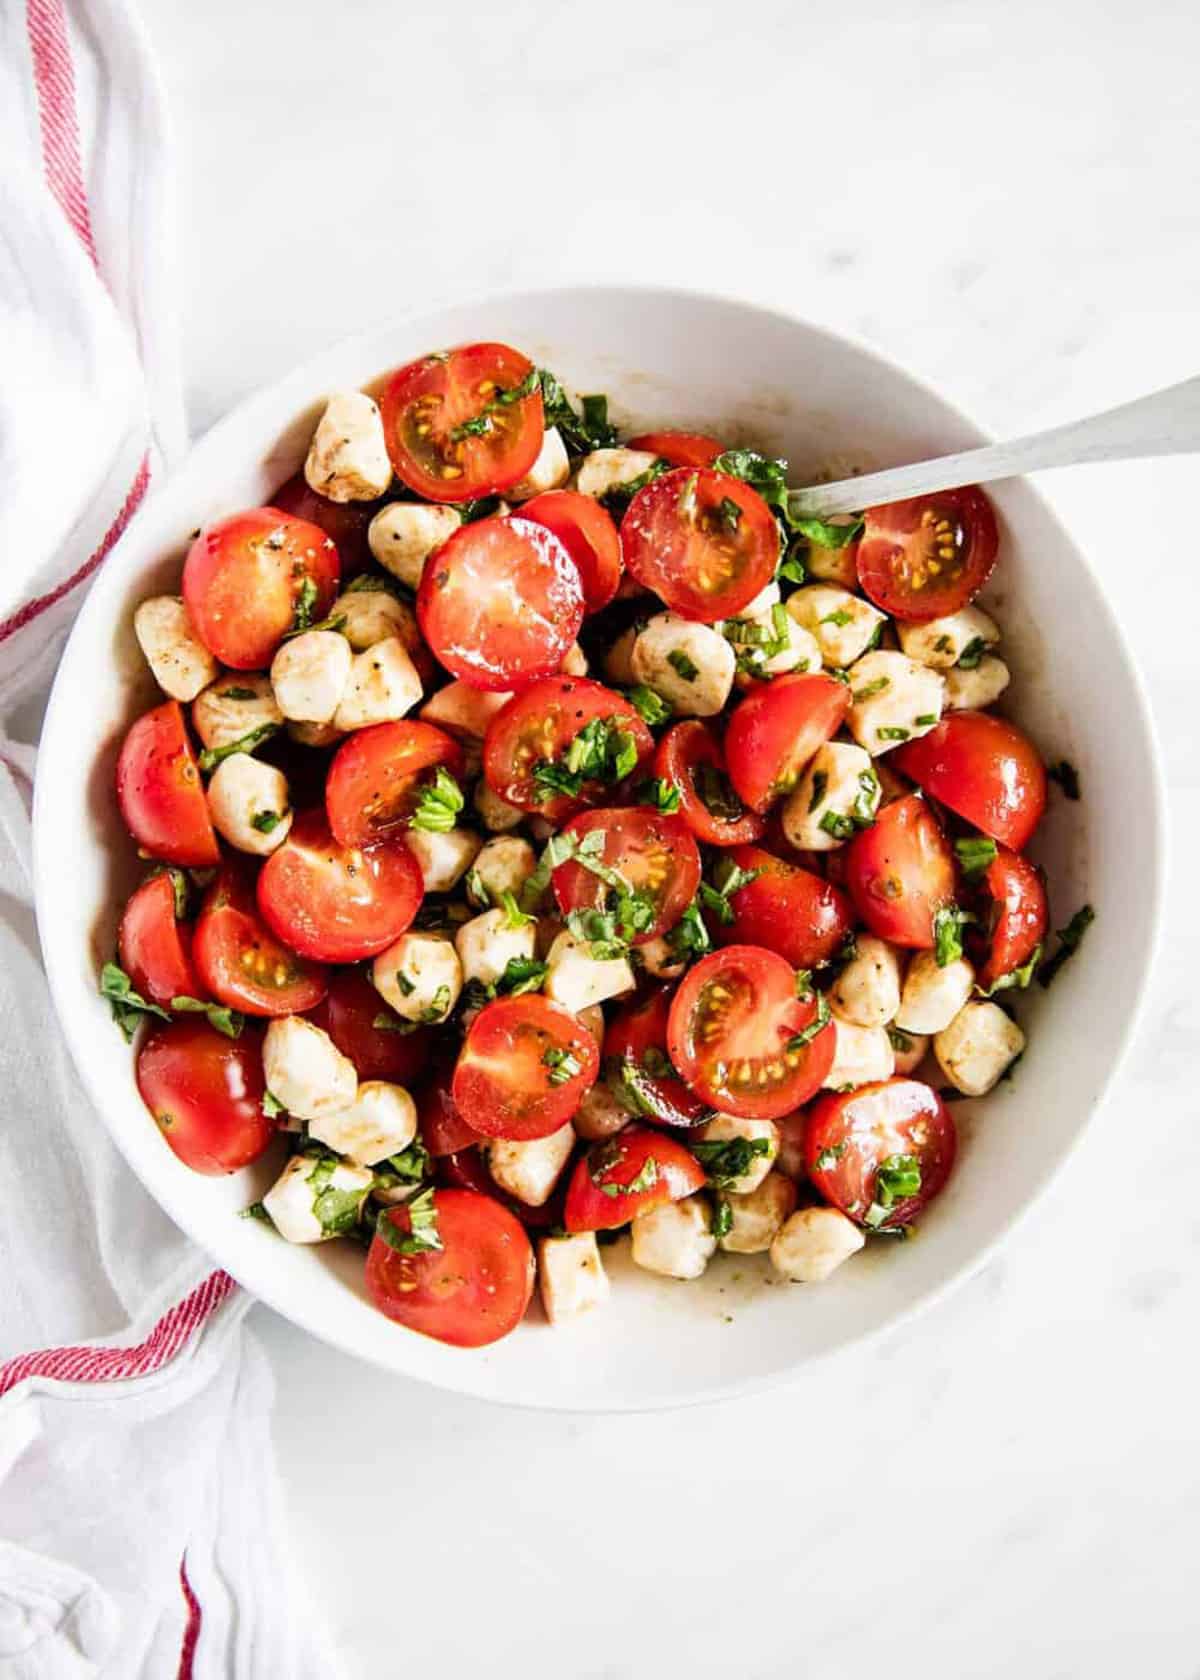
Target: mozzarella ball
point(813, 1243)
point(382, 686)
point(373, 615)
point(833, 565)
point(618, 661)
point(292, 1200)
point(248, 804)
point(462, 710)
point(348, 458)
point(978, 1047)
point(575, 978)
point(861, 1056)
point(487, 944)
point(892, 699)
point(725, 1128)
point(973, 690)
point(757, 1218)
point(837, 794)
point(236, 705)
point(530, 1168)
point(867, 991)
point(790, 1160)
point(607, 469)
point(496, 814)
point(381, 1121)
point(599, 1115)
point(843, 625)
point(305, 1070)
point(908, 1048)
point(403, 535)
point(933, 996)
point(309, 675)
point(313, 734)
point(501, 865)
point(574, 662)
point(181, 663)
point(419, 976)
point(571, 1276)
point(444, 858)
point(660, 960)
point(592, 1020)
point(675, 1240)
point(770, 595)
point(691, 665)
point(550, 471)
point(943, 641)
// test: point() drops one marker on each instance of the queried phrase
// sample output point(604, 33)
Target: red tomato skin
point(344, 523)
point(241, 963)
point(683, 750)
point(376, 776)
point(472, 1291)
point(155, 949)
point(1021, 914)
point(886, 562)
point(776, 729)
point(347, 1014)
point(620, 1160)
point(160, 792)
point(205, 1093)
point(242, 579)
point(587, 532)
point(626, 829)
point(641, 1026)
point(894, 1117)
point(681, 449)
point(334, 903)
point(501, 1083)
point(900, 872)
point(443, 1129)
point(984, 769)
point(788, 910)
point(540, 724)
point(667, 553)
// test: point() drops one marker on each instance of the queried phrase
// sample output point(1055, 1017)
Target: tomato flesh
point(246, 578)
point(690, 757)
point(160, 792)
point(377, 775)
point(984, 769)
point(472, 1290)
point(241, 962)
point(851, 1135)
point(156, 949)
point(681, 449)
point(628, 1174)
point(786, 909)
point(637, 1064)
point(730, 1029)
point(650, 850)
point(539, 726)
point(587, 532)
point(927, 557)
point(524, 1068)
point(1018, 917)
point(205, 1092)
point(334, 903)
point(704, 542)
point(775, 730)
point(900, 873)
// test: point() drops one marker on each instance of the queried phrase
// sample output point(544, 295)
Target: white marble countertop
point(1005, 197)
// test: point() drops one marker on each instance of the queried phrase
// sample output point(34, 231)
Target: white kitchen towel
point(140, 1524)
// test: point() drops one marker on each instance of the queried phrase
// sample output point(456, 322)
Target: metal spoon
point(1167, 423)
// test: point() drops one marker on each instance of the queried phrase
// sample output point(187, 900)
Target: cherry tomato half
point(160, 792)
point(653, 852)
point(777, 728)
point(500, 603)
point(586, 530)
point(900, 873)
point(205, 1092)
point(471, 1290)
point(928, 557)
point(704, 542)
point(983, 768)
point(245, 578)
point(1018, 916)
point(377, 775)
point(786, 909)
point(337, 903)
point(240, 960)
point(880, 1152)
point(682, 449)
point(628, 1174)
point(523, 1069)
point(348, 1014)
point(731, 1033)
point(539, 727)
point(344, 523)
point(635, 1054)
point(456, 425)
point(154, 947)
point(690, 757)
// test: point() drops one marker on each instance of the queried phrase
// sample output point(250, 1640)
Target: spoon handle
point(1165, 423)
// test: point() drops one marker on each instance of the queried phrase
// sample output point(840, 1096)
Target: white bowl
point(750, 375)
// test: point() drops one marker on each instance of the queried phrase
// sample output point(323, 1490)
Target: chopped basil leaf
point(838, 826)
point(975, 854)
point(1017, 979)
point(514, 916)
point(716, 793)
point(689, 937)
point(601, 752)
point(482, 424)
point(256, 1210)
point(727, 880)
point(410, 1166)
point(650, 707)
point(792, 569)
point(730, 1159)
point(557, 850)
point(266, 821)
point(900, 1042)
point(729, 513)
point(948, 923)
point(236, 693)
point(820, 782)
point(563, 1065)
point(422, 1234)
point(127, 1005)
point(722, 1217)
point(302, 607)
point(1067, 777)
point(892, 734)
point(336, 1210)
point(271, 1106)
point(228, 1022)
point(430, 1016)
point(840, 617)
point(660, 793)
point(821, 534)
point(822, 1018)
point(970, 656)
point(898, 1177)
point(1069, 940)
point(579, 434)
point(619, 497)
point(679, 662)
point(212, 756)
point(335, 624)
point(872, 688)
point(438, 804)
point(829, 1157)
point(925, 721)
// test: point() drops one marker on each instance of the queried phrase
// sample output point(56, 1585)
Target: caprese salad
point(555, 838)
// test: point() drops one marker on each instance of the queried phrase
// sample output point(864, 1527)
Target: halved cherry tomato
point(472, 1289)
point(702, 541)
point(900, 873)
point(345, 523)
point(894, 1125)
point(649, 849)
point(928, 557)
point(348, 1014)
point(443, 1129)
point(1018, 916)
point(154, 947)
point(377, 775)
point(731, 1033)
point(524, 1067)
point(337, 903)
point(777, 728)
point(635, 1054)
point(690, 757)
point(539, 727)
point(456, 424)
point(586, 531)
point(246, 577)
point(786, 909)
point(983, 768)
point(628, 1174)
point(682, 449)
point(205, 1092)
point(240, 960)
point(160, 792)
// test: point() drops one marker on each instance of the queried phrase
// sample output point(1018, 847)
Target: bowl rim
point(303, 379)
